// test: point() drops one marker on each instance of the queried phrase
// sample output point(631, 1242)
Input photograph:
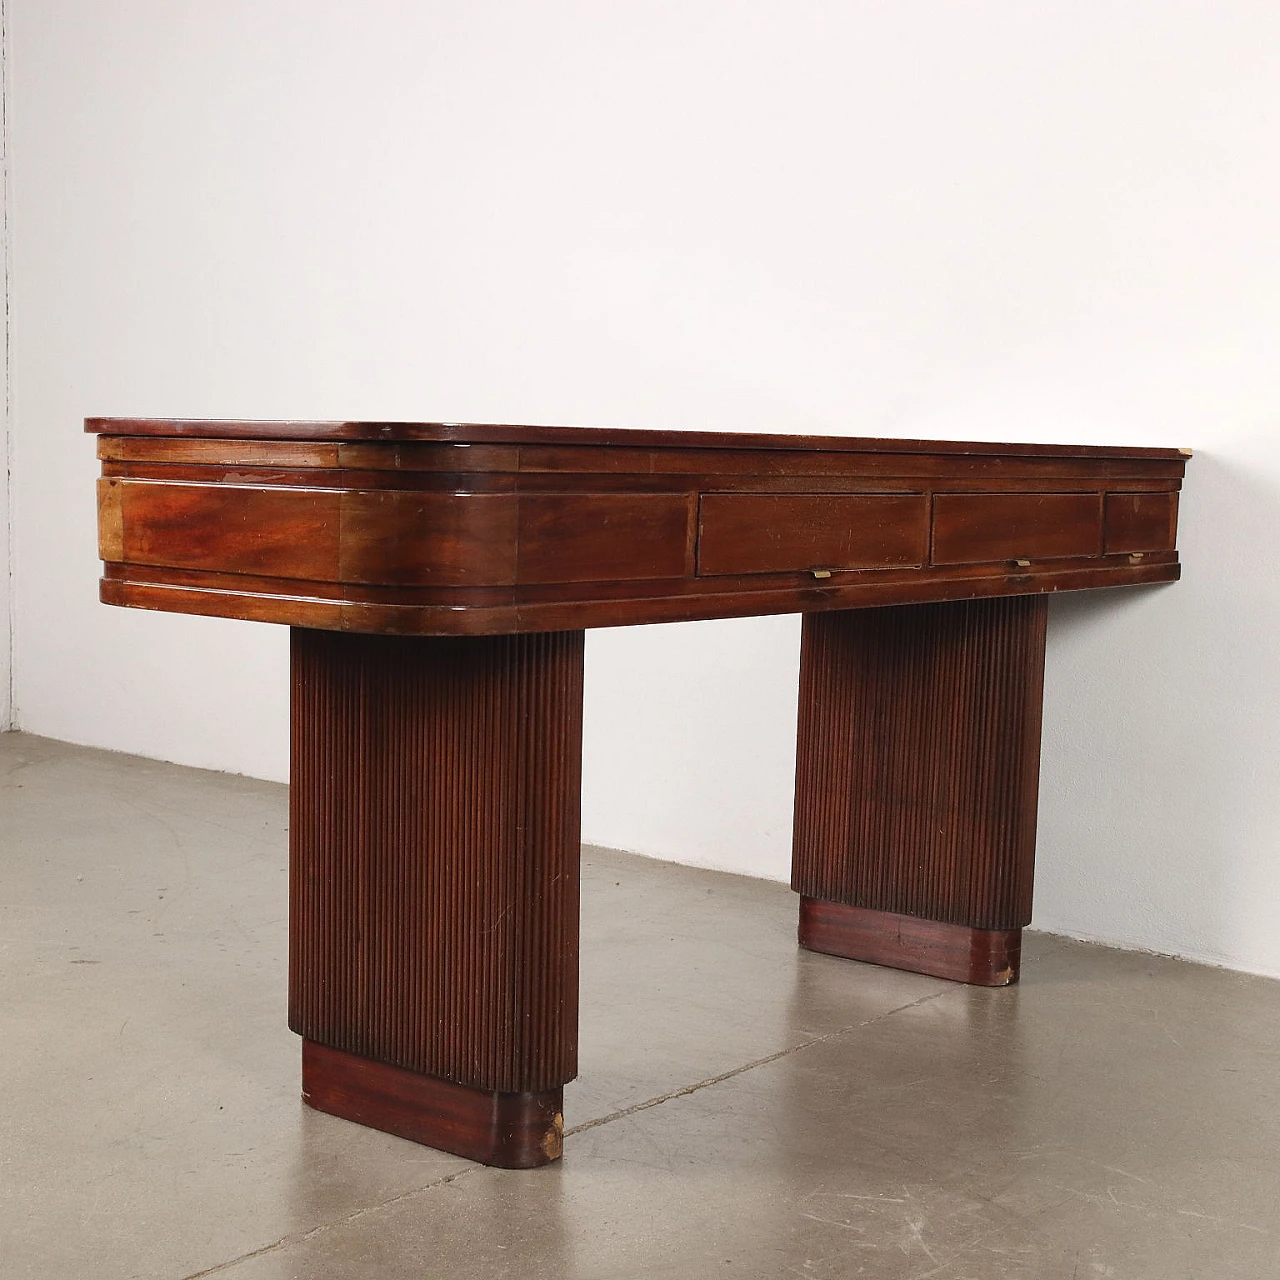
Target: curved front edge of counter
point(442, 539)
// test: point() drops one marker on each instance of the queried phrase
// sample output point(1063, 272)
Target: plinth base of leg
point(983, 957)
point(509, 1130)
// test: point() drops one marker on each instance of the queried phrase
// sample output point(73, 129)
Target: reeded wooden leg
point(916, 783)
point(435, 799)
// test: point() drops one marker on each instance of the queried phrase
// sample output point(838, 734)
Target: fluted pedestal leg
point(434, 884)
point(916, 784)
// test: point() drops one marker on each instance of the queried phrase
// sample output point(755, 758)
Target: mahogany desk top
point(464, 529)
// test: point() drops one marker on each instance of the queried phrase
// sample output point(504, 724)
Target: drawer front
point(396, 537)
point(1141, 521)
point(742, 533)
point(969, 528)
point(604, 537)
point(285, 533)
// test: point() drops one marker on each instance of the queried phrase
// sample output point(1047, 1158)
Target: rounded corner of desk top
point(455, 529)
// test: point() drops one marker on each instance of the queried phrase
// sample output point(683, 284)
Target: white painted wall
point(992, 220)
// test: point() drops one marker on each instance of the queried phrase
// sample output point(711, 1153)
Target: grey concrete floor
point(744, 1109)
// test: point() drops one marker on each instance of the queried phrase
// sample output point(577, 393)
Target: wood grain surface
point(505, 433)
point(969, 528)
point(506, 1130)
point(917, 760)
point(980, 957)
point(1141, 522)
point(430, 529)
point(434, 801)
point(744, 533)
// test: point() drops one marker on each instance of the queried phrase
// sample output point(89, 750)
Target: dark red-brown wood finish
point(465, 530)
point(438, 579)
point(917, 766)
point(611, 437)
point(434, 815)
point(981, 957)
point(507, 1130)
